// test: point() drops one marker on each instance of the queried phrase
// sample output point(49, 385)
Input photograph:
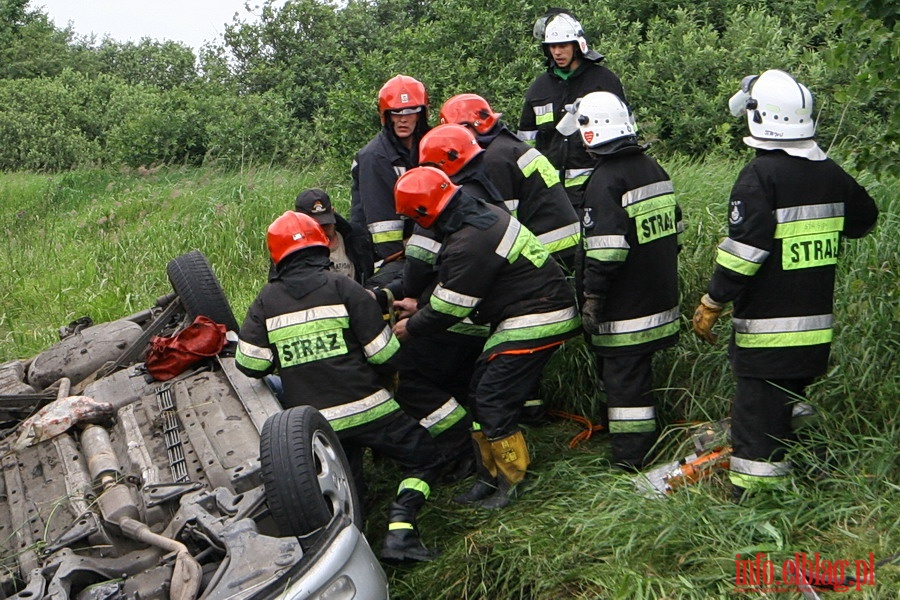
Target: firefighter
point(494, 271)
point(317, 327)
point(787, 212)
point(627, 270)
point(525, 179)
point(403, 109)
point(573, 71)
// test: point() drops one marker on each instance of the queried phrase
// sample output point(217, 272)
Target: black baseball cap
point(317, 204)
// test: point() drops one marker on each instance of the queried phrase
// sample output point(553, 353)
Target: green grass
point(97, 243)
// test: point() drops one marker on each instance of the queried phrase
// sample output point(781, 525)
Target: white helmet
point(603, 117)
point(778, 107)
point(561, 27)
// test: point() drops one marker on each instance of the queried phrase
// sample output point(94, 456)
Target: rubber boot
point(512, 460)
point(485, 471)
point(402, 543)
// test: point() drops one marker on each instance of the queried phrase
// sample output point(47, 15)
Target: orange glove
point(705, 316)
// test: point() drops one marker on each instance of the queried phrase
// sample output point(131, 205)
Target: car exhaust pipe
point(117, 506)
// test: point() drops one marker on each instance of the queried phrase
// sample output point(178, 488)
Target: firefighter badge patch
point(587, 221)
point(736, 212)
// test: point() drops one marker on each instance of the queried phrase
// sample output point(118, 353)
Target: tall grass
point(96, 243)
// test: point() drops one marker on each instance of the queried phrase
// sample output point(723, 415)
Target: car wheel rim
point(334, 481)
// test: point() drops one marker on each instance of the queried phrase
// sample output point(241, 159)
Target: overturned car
point(118, 485)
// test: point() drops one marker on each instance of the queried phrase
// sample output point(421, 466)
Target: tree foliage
point(299, 82)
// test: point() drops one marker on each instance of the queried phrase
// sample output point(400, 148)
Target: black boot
point(402, 543)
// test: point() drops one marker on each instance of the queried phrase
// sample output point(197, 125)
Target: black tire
point(306, 474)
point(199, 290)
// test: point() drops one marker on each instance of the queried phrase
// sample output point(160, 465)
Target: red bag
point(171, 356)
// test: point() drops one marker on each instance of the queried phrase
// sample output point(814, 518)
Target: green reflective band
point(633, 338)
point(544, 118)
point(608, 254)
point(466, 327)
point(650, 205)
point(443, 418)
point(805, 251)
point(735, 263)
point(528, 246)
point(533, 333)
point(752, 482)
point(576, 181)
point(255, 364)
point(447, 308)
point(656, 224)
point(643, 426)
point(570, 241)
point(389, 350)
point(309, 347)
point(533, 161)
point(476, 426)
point(784, 339)
point(399, 525)
point(387, 236)
point(810, 227)
point(309, 328)
point(363, 417)
point(416, 485)
point(419, 253)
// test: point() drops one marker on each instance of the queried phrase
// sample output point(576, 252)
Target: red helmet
point(423, 193)
point(401, 92)
point(449, 147)
point(471, 110)
point(293, 231)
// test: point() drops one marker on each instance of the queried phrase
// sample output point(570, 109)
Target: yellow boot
point(511, 458)
point(485, 471)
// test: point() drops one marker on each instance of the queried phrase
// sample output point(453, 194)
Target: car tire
point(305, 472)
point(199, 290)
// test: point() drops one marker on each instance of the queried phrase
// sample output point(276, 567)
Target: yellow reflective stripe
point(533, 161)
point(783, 332)
point(251, 351)
point(423, 248)
point(328, 312)
point(786, 230)
point(382, 348)
point(809, 212)
point(543, 114)
point(415, 484)
point(631, 332)
point(646, 192)
point(740, 257)
point(575, 177)
point(632, 419)
point(386, 231)
point(535, 327)
point(255, 363)
point(805, 251)
point(561, 238)
point(355, 413)
point(759, 468)
point(446, 416)
point(399, 525)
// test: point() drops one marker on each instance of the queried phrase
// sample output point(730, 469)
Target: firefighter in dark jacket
point(317, 328)
point(403, 109)
point(628, 270)
point(350, 245)
point(788, 211)
point(494, 271)
point(526, 180)
point(573, 71)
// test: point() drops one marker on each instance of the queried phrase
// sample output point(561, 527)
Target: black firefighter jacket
point(629, 254)
point(785, 221)
point(326, 336)
point(493, 270)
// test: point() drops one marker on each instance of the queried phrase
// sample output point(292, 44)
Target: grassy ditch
point(96, 243)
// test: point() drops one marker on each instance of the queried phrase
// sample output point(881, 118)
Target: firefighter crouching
point(494, 271)
point(317, 327)
point(787, 213)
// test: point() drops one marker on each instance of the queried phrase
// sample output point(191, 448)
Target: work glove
point(705, 316)
point(591, 311)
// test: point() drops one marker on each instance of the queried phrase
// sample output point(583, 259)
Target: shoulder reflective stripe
point(646, 192)
point(744, 251)
point(631, 413)
point(533, 161)
point(361, 411)
point(399, 170)
point(331, 311)
point(385, 226)
point(784, 324)
point(382, 347)
point(758, 468)
point(447, 415)
point(809, 212)
point(596, 242)
point(527, 135)
point(512, 206)
point(415, 484)
point(251, 351)
point(504, 248)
